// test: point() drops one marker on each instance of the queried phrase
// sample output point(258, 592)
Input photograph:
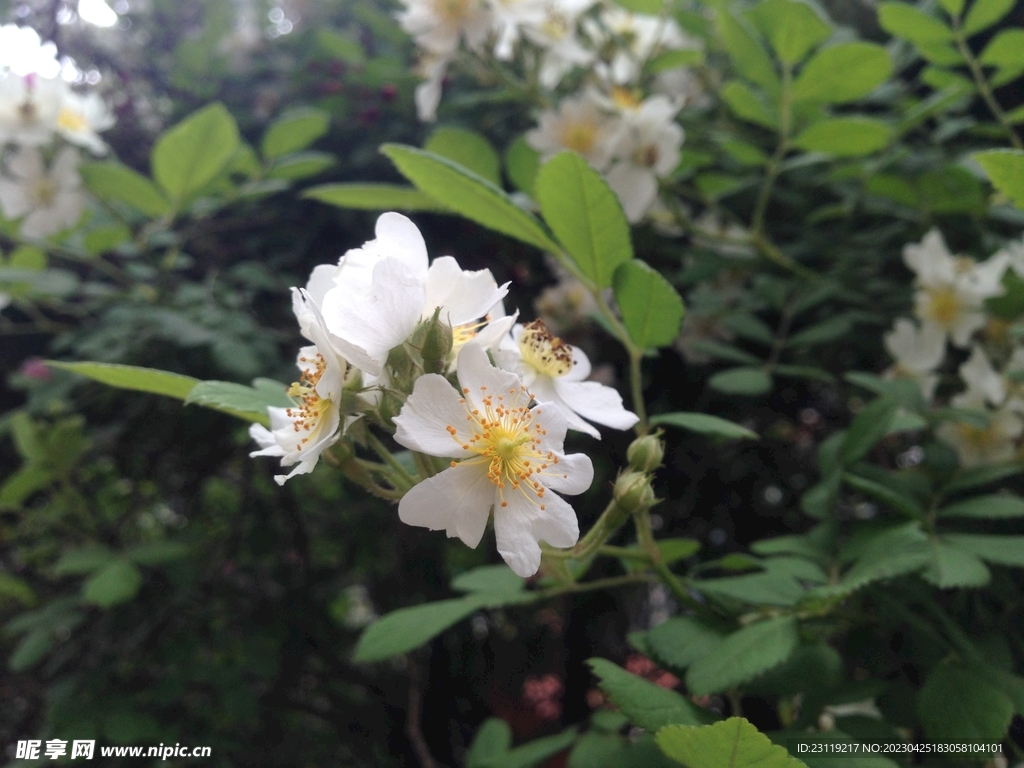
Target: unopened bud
point(645, 453)
point(633, 491)
point(403, 365)
point(436, 344)
point(390, 405)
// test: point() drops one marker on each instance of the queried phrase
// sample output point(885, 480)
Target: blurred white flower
point(646, 149)
point(555, 371)
point(28, 109)
point(1014, 254)
point(556, 34)
point(951, 290)
point(506, 456)
point(432, 68)
point(982, 380)
point(50, 200)
point(634, 38)
point(23, 52)
point(509, 18)
point(918, 351)
point(578, 125)
point(439, 25)
point(81, 118)
point(975, 445)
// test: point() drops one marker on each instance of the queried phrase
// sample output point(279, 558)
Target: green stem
point(775, 163)
point(983, 87)
point(401, 478)
point(610, 521)
point(424, 465)
point(589, 586)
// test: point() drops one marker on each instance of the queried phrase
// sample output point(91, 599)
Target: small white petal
point(573, 474)
point(543, 387)
point(457, 501)
point(423, 423)
point(596, 402)
point(513, 532)
point(478, 375)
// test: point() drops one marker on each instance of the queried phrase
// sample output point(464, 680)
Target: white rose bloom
point(81, 118)
point(952, 289)
point(555, 371)
point(24, 53)
point(298, 435)
point(506, 456)
point(918, 352)
point(28, 109)
point(639, 37)
point(556, 35)
point(438, 25)
point(509, 18)
point(432, 69)
point(647, 149)
point(50, 200)
point(981, 378)
point(1013, 252)
point(578, 125)
point(379, 293)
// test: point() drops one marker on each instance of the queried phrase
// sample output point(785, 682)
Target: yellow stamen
point(548, 354)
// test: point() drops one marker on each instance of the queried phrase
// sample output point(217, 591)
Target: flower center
point(548, 354)
point(556, 25)
point(625, 98)
point(308, 412)
point(507, 437)
point(944, 306)
point(646, 156)
point(453, 11)
point(28, 112)
point(983, 440)
point(72, 121)
point(579, 137)
point(43, 192)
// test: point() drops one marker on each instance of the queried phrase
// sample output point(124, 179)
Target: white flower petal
point(513, 530)
point(596, 402)
point(556, 524)
point(544, 389)
point(433, 406)
point(463, 295)
point(573, 474)
point(457, 501)
point(478, 375)
point(581, 368)
point(398, 238)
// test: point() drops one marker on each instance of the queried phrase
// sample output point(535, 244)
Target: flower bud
point(436, 344)
point(390, 405)
point(645, 453)
point(404, 367)
point(633, 491)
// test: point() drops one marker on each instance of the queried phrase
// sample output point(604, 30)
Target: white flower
point(506, 456)
point(647, 149)
point(438, 25)
point(28, 109)
point(555, 371)
point(301, 433)
point(5, 301)
point(976, 446)
point(432, 69)
point(556, 35)
point(382, 290)
point(918, 352)
point(509, 17)
point(49, 201)
point(952, 289)
point(983, 383)
point(81, 118)
point(1014, 254)
point(637, 37)
point(578, 125)
point(24, 53)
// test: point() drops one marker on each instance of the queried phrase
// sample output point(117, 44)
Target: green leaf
point(648, 7)
point(674, 550)
point(867, 428)
point(492, 738)
point(767, 588)
point(116, 583)
point(1001, 550)
point(905, 21)
point(994, 507)
point(652, 310)
point(891, 497)
point(645, 704)
point(952, 7)
point(522, 162)
point(743, 655)
point(301, 165)
point(294, 131)
point(114, 182)
point(157, 552)
point(1006, 51)
point(585, 216)
point(985, 13)
point(845, 136)
point(105, 239)
point(793, 28)
point(842, 73)
point(957, 704)
point(827, 330)
point(1005, 168)
point(705, 424)
point(83, 560)
point(408, 628)
point(191, 154)
point(468, 195)
point(533, 752)
point(954, 567)
point(494, 579)
point(373, 197)
point(132, 377)
point(741, 381)
point(893, 552)
point(663, 62)
point(680, 641)
point(725, 352)
point(748, 55)
point(747, 105)
point(246, 403)
point(813, 666)
point(469, 149)
point(732, 743)
point(30, 650)
point(973, 478)
point(13, 589)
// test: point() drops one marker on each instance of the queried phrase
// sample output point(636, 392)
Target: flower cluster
point(950, 308)
point(622, 119)
point(42, 123)
point(426, 351)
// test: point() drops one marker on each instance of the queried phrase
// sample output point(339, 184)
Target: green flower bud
point(633, 492)
point(436, 344)
point(645, 453)
point(390, 405)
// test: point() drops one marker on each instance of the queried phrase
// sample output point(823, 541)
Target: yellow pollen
point(944, 306)
point(70, 120)
point(43, 192)
point(625, 98)
point(548, 354)
point(579, 137)
point(453, 11)
point(310, 407)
